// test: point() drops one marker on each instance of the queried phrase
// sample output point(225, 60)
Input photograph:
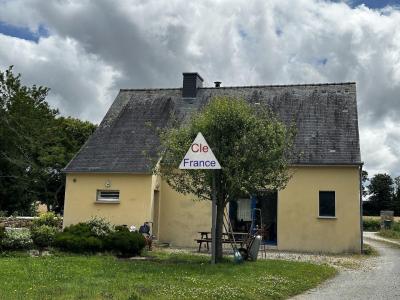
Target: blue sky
point(374, 3)
point(23, 32)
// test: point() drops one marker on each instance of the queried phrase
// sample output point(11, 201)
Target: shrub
point(43, 236)
point(371, 224)
point(78, 244)
point(78, 238)
point(396, 226)
point(100, 227)
point(82, 229)
point(48, 219)
point(17, 239)
point(2, 234)
point(125, 243)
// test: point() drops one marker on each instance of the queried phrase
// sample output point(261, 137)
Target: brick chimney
point(191, 82)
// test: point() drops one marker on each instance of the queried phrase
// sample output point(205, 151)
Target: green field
point(166, 276)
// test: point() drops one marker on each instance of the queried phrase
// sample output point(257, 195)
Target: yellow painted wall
point(181, 218)
point(300, 229)
point(135, 194)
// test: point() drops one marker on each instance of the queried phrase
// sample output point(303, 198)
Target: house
point(318, 211)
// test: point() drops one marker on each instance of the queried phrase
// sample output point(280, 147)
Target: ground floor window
point(107, 196)
point(327, 204)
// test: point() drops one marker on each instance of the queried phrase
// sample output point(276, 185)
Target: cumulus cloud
point(96, 47)
point(80, 82)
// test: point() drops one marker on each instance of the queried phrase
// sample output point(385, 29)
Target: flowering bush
point(43, 236)
point(17, 239)
point(98, 235)
point(48, 219)
point(100, 227)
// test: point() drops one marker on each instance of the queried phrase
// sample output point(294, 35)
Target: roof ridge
point(149, 89)
point(283, 85)
point(244, 86)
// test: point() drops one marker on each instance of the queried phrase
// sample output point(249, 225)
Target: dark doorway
point(266, 214)
point(254, 213)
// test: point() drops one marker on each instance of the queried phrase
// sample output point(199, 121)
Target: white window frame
point(100, 199)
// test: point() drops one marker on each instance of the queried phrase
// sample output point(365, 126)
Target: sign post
point(200, 156)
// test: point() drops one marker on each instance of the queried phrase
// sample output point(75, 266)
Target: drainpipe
point(361, 210)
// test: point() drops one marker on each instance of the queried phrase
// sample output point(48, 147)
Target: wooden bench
point(207, 241)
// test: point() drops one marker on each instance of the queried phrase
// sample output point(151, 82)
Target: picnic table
point(205, 238)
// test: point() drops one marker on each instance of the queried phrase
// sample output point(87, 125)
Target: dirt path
point(380, 281)
point(376, 237)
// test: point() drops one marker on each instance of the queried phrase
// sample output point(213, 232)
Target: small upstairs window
point(327, 204)
point(107, 196)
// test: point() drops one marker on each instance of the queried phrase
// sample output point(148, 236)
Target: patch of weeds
point(369, 251)
point(134, 296)
point(390, 233)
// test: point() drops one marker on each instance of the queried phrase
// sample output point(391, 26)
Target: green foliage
point(78, 238)
point(364, 180)
point(100, 227)
point(393, 233)
point(43, 236)
point(34, 146)
point(371, 224)
point(381, 190)
point(2, 233)
point(17, 239)
point(125, 243)
point(98, 235)
point(396, 196)
point(48, 219)
point(82, 229)
point(78, 244)
point(368, 250)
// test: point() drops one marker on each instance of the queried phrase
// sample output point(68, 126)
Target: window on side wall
point(327, 204)
point(107, 196)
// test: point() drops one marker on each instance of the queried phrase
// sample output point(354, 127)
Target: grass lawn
point(168, 276)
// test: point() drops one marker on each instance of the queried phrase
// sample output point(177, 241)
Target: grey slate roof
point(325, 116)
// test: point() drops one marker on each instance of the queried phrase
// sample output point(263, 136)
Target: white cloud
point(97, 47)
point(81, 84)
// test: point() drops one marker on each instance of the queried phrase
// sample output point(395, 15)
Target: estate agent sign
point(199, 156)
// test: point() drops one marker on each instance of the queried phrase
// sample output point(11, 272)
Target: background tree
point(364, 180)
point(34, 146)
point(251, 145)
point(68, 135)
point(381, 194)
point(396, 196)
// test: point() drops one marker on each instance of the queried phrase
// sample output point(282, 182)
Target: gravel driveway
point(380, 281)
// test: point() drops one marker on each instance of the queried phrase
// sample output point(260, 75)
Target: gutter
point(361, 212)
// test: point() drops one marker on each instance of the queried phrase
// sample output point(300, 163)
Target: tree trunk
point(219, 229)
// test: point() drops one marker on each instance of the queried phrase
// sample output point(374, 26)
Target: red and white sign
point(199, 156)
